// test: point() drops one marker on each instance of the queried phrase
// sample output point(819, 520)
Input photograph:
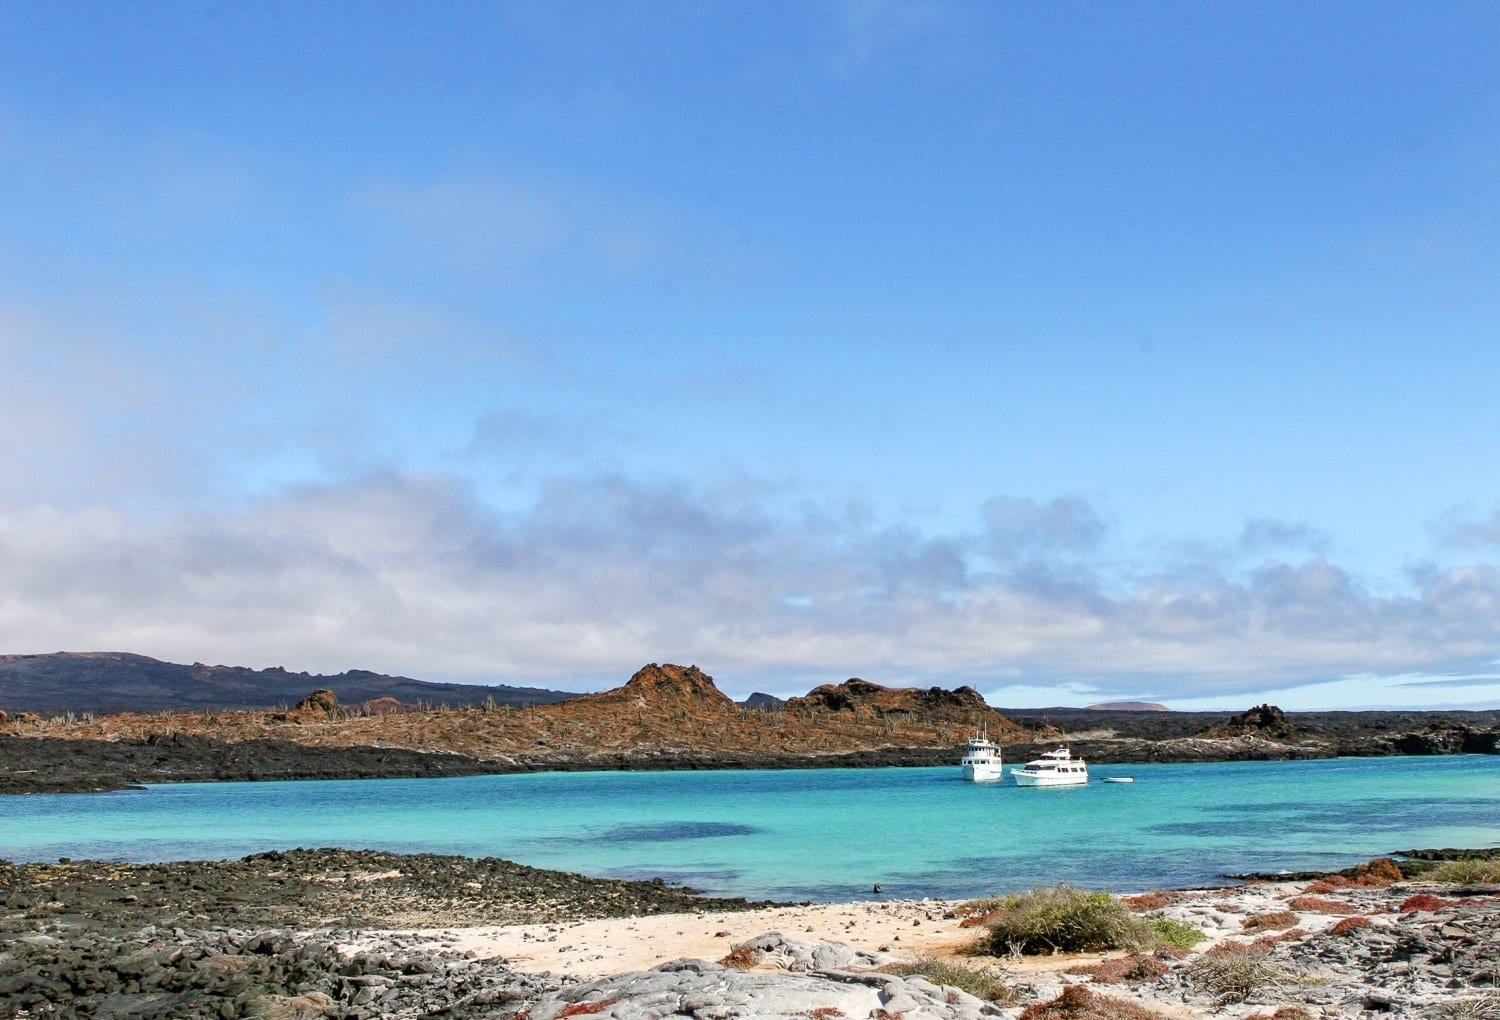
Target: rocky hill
point(102, 682)
point(672, 717)
point(666, 716)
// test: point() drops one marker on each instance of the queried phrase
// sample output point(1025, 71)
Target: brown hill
point(1128, 706)
point(663, 687)
point(663, 709)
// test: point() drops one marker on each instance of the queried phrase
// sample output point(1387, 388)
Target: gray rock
point(710, 992)
point(781, 952)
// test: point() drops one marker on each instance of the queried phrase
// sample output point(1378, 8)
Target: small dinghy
point(1119, 779)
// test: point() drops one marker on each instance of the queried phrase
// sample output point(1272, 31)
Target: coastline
point(44, 764)
point(357, 934)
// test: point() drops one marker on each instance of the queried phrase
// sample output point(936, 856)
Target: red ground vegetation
point(741, 958)
point(1125, 970)
point(1349, 924)
point(1275, 920)
point(1428, 902)
point(1321, 905)
point(1148, 901)
point(1380, 873)
point(1078, 1003)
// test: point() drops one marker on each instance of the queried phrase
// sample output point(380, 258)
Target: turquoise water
point(814, 834)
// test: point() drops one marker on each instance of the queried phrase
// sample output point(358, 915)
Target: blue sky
point(1076, 352)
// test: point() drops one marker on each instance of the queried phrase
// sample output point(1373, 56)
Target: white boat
point(1119, 779)
point(982, 762)
point(1055, 768)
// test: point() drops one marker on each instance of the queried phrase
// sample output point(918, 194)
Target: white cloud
point(1461, 529)
point(416, 574)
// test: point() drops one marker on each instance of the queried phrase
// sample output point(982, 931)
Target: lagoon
point(814, 834)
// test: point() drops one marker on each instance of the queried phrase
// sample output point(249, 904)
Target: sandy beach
point(612, 945)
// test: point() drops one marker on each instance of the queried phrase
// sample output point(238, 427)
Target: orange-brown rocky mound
point(657, 686)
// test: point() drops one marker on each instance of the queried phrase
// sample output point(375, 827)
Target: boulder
point(321, 701)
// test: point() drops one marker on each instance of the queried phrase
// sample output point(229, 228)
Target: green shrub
point(1473, 871)
point(977, 981)
point(1174, 933)
point(1065, 920)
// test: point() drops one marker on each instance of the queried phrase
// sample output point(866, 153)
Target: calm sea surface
point(820, 834)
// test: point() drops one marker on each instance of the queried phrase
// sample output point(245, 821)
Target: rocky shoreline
point(307, 934)
point(58, 765)
point(260, 936)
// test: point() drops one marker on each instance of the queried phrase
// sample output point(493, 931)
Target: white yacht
point(1055, 768)
point(982, 762)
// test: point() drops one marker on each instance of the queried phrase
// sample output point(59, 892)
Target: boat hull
point(1024, 778)
point(982, 773)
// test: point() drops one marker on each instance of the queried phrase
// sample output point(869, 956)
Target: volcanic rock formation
point(1260, 721)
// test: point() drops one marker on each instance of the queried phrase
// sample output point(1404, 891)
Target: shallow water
point(814, 834)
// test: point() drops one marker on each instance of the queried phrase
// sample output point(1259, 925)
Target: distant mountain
point(120, 682)
point(1128, 706)
point(763, 702)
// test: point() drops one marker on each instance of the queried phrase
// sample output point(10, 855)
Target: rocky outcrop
point(320, 702)
point(657, 685)
point(856, 696)
point(1266, 721)
point(1433, 738)
point(700, 988)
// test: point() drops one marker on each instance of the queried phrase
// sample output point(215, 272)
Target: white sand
point(598, 948)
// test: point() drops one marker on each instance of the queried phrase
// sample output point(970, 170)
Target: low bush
point(1349, 924)
point(1428, 902)
point(1078, 1003)
point(1466, 872)
point(1125, 970)
point(1376, 874)
point(1486, 1007)
point(978, 913)
point(1275, 920)
point(1321, 905)
point(1148, 901)
point(1067, 920)
point(979, 982)
point(741, 958)
point(1235, 976)
point(1174, 934)
point(1380, 872)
